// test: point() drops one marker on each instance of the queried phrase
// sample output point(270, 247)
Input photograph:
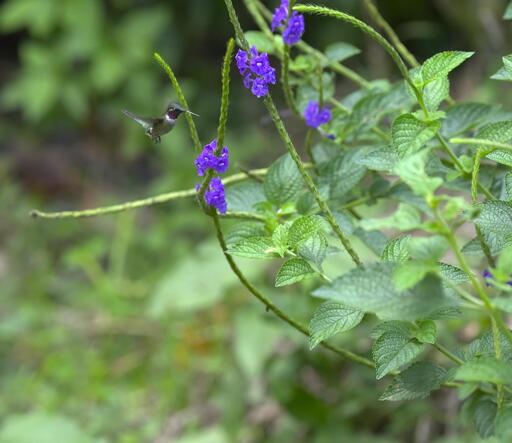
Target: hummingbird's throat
point(171, 116)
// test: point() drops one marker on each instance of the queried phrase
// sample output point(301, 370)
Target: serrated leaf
point(372, 290)
point(405, 218)
point(243, 231)
point(314, 249)
point(507, 184)
point(280, 238)
point(503, 424)
point(504, 73)
point(428, 248)
point(435, 92)
point(427, 332)
point(331, 318)
point(405, 328)
point(487, 369)
point(415, 382)
point(452, 273)
point(503, 303)
point(409, 273)
point(484, 347)
point(293, 271)
point(339, 51)
point(498, 132)
point(495, 218)
point(393, 350)
point(304, 227)
point(396, 250)
point(441, 64)
point(254, 247)
point(243, 197)
point(380, 159)
point(283, 182)
point(484, 415)
point(465, 116)
point(412, 171)
point(409, 134)
point(344, 221)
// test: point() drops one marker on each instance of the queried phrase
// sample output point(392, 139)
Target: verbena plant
point(442, 165)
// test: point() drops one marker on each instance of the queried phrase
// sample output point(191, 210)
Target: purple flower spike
point(215, 195)
point(208, 160)
point(256, 71)
point(315, 116)
point(293, 26)
point(293, 32)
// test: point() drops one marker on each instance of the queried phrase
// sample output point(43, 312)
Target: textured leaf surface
point(405, 218)
point(372, 290)
point(331, 318)
point(254, 247)
point(304, 227)
point(495, 218)
point(410, 134)
point(415, 382)
point(283, 181)
point(412, 171)
point(339, 51)
point(293, 271)
point(464, 116)
point(396, 250)
point(440, 65)
point(486, 369)
point(243, 196)
point(484, 415)
point(314, 249)
point(393, 350)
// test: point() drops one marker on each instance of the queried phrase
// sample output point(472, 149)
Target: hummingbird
point(155, 127)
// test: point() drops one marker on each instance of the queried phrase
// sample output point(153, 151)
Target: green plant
point(442, 165)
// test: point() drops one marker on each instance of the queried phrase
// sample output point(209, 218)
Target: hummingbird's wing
point(145, 122)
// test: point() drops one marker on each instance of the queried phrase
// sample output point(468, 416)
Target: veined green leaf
point(304, 227)
point(314, 249)
point(465, 116)
point(339, 51)
point(396, 250)
point(486, 369)
point(495, 218)
point(415, 382)
point(428, 248)
point(283, 182)
point(427, 332)
point(409, 134)
point(440, 65)
point(293, 271)
point(331, 318)
point(412, 171)
point(405, 218)
point(254, 247)
point(409, 273)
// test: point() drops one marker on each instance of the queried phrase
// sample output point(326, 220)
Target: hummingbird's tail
point(144, 122)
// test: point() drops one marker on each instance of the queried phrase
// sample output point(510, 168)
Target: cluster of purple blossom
point(292, 25)
point(316, 116)
point(215, 195)
point(256, 71)
point(487, 275)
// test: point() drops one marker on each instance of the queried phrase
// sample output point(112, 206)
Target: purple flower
point(208, 160)
point(256, 71)
point(215, 195)
point(293, 32)
point(315, 116)
point(293, 26)
point(280, 15)
point(487, 274)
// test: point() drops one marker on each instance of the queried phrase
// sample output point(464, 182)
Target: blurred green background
point(130, 328)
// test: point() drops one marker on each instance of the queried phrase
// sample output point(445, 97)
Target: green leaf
point(409, 273)
point(262, 42)
point(427, 332)
point(504, 73)
point(440, 65)
point(371, 289)
point(396, 250)
point(283, 182)
point(342, 173)
point(415, 382)
point(498, 132)
point(254, 247)
point(331, 318)
point(409, 134)
point(243, 197)
point(484, 416)
point(280, 238)
point(405, 218)
point(375, 240)
point(435, 92)
point(507, 183)
point(293, 271)
point(503, 303)
point(314, 249)
point(428, 248)
point(503, 424)
point(484, 347)
point(465, 116)
point(242, 231)
point(412, 171)
point(486, 369)
point(507, 15)
point(495, 218)
point(380, 159)
point(393, 350)
point(337, 52)
point(452, 273)
point(304, 227)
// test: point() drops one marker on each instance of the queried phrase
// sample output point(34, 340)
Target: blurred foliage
point(107, 331)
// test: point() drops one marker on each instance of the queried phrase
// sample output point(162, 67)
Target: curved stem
point(448, 353)
point(183, 101)
point(390, 32)
point(274, 308)
point(481, 142)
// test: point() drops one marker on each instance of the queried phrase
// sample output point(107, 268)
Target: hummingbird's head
point(174, 110)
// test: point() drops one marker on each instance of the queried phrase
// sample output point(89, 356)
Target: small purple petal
point(315, 116)
point(295, 29)
point(215, 195)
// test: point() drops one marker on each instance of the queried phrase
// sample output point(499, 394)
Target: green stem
point(191, 124)
point(448, 353)
point(389, 31)
point(481, 142)
point(288, 94)
point(497, 351)
point(270, 306)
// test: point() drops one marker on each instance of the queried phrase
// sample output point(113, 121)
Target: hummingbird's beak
point(190, 112)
